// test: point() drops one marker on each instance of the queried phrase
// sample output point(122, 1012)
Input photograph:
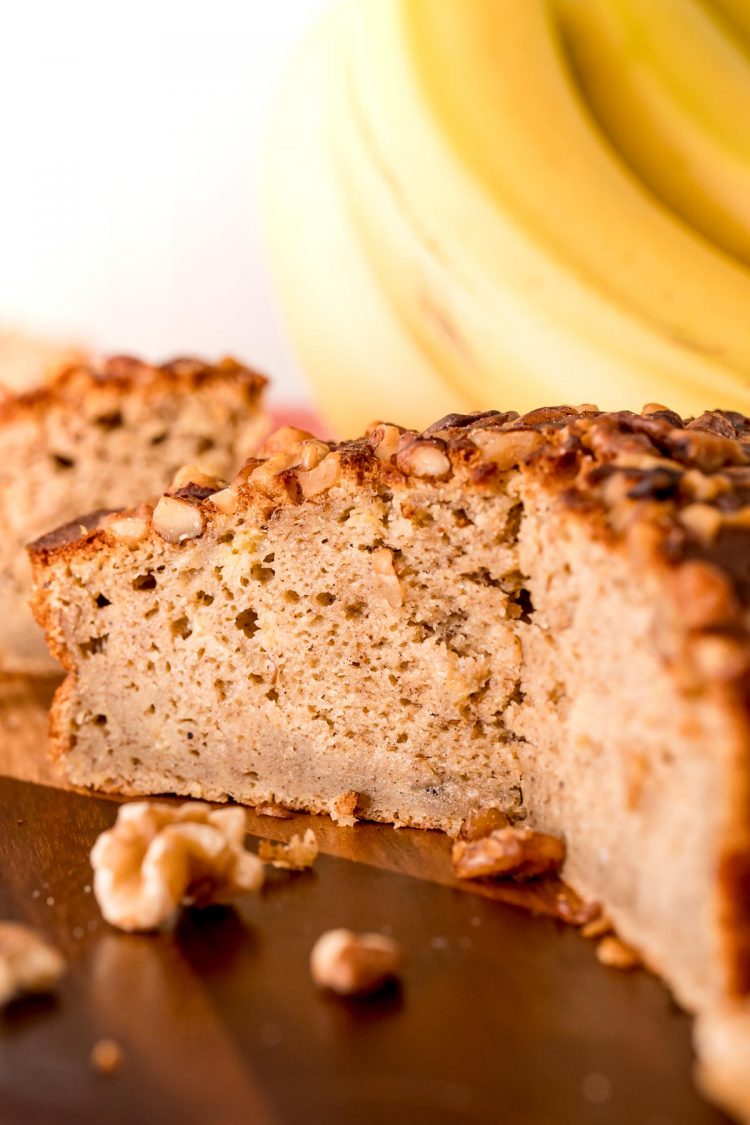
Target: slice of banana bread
point(545, 615)
point(102, 436)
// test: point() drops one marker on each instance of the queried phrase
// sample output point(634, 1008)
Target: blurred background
point(129, 137)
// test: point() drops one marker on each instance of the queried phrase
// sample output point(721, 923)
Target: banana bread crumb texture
point(544, 615)
point(103, 435)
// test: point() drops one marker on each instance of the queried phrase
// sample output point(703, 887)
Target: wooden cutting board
point(500, 1016)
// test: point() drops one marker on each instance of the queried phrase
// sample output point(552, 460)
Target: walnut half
point(517, 852)
point(354, 964)
point(158, 857)
point(27, 963)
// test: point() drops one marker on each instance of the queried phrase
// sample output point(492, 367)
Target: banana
point(737, 16)
point(498, 306)
point(520, 126)
point(362, 363)
point(672, 90)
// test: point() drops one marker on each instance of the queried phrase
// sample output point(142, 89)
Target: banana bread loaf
point(99, 436)
point(545, 615)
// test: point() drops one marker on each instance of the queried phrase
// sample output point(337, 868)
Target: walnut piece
point(225, 500)
point(617, 954)
point(299, 853)
point(354, 964)
point(131, 529)
point(158, 857)
point(508, 448)
point(27, 963)
point(176, 520)
point(518, 852)
point(481, 822)
point(422, 457)
point(386, 579)
point(106, 1056)
point(320, 478)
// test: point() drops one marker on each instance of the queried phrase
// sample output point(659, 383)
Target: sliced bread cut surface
point(545, 615)
point(106, 435)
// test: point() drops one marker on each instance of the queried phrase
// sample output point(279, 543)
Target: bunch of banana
point(502, 203)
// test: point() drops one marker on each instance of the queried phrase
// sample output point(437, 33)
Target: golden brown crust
point(127, 374)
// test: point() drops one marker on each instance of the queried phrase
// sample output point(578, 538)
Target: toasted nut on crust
point(354, 964)
point(225, 500)
point(191, 474)
point(176, 520)
point(506, 448)
point(321, 478)
point(312, 453)
point(422, 457)
point(158, 857)
point(383, 438)
point(286, 439)
point(617, 954)
point(27, 963)
point(517, 852)
point(131, 529)
point(299, 853)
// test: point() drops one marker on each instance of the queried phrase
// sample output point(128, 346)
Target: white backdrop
point(129, 139)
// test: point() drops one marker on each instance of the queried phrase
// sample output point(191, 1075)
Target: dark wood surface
point(500, 1017)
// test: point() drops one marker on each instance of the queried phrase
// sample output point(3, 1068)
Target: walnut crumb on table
point(106, 1056)
point(27, 963)
point(353, 964)
point(299, 853)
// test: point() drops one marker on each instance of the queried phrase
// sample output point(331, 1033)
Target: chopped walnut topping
point(312, 453)
point(286, 439)
point(106, 1056)
point(299, 853)
point(343, 808)
point(354, 964)
point(321, 478)
point(27, 963)
point(387, 579)
point(225, 500)
point(422, 457)
point(481, 822)
point(158, 857)
point(131, 529)
point(508, 448)
point(616, 954)
point(191, 474)
point(383, 438)
point(520, 853)
point(177, 520)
